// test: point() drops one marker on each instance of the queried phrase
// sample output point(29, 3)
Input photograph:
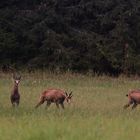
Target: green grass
point(95, 113)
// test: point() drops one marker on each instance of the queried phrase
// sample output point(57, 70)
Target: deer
point(133, 99)
point(15, 96)
point(56, 96)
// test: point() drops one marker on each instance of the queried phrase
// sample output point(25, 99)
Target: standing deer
point(133, 98)
point(15, 96)
point(56, 96)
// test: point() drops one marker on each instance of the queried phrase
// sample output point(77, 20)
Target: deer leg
point(62, 105)
point(13, 104)
point(134, 105)
point(57, 104)
point(48, 104)
point(17, 102)
point(40, 103)
point(127, 105)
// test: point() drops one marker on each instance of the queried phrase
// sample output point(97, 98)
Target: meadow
point(95, 113)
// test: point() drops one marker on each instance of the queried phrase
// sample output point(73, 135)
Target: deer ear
point(14, 76)
point(19, 77)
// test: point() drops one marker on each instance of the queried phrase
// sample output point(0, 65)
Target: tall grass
point(95, 113)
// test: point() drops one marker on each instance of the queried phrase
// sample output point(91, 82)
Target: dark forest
point(98, 36)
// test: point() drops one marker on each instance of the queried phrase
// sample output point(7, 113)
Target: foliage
point(77, 35)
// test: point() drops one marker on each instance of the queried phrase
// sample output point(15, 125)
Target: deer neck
point(15, 89)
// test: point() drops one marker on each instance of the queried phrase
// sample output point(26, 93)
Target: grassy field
point(95, 113)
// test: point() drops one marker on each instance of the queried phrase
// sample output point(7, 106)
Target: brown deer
point(56, 96)
point(133, 99)
point(15, 96)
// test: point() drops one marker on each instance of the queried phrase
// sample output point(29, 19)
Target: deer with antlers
point(56, 96)
point(15, 96)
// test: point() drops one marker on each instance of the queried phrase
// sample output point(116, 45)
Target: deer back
point(135, 95)
point(54, 95)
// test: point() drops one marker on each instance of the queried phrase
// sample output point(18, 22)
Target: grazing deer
point(56, 96)
point(133, 98)
point(15, 96)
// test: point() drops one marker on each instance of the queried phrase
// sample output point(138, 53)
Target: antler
point(66, 93)
point(70, 94)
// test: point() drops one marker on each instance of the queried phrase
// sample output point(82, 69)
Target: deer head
point(68, 96)
point(16, 78)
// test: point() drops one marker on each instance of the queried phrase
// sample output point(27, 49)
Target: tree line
point(77, 35)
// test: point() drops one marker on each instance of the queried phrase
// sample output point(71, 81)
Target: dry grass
point(95, 112)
